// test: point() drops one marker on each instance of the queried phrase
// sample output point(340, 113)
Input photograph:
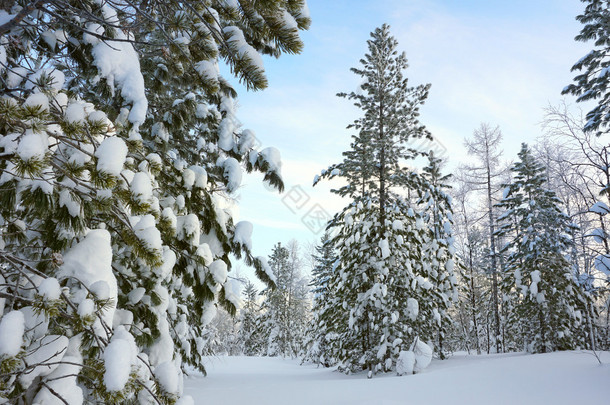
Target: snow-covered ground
point(555, 378)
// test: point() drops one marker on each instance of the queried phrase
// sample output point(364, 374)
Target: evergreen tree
point(318, 334)
point(548, 305)
point(286, 306)
point(592, 82)
point(250, 336)
point(120, 149)
point(439, 250)
point(382, 297)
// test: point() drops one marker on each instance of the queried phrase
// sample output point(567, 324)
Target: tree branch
point(6, 27)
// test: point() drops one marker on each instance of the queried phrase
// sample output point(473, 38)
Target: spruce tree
point(121, 153)
point(592, 82)
point(285, 307)
point(318, 331)
point(548, 305)
point(250, 336)
point(439, 250)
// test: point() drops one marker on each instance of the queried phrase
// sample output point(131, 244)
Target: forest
point(121, 245)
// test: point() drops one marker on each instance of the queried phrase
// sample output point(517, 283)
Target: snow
point(535, 280)
point(273, 158)
point(201, 176)
point(90, 261)
point(111, 155)
point(118, 62)
point(49, 288)
point(385, 248)
point(11, 333)
point(233, 174)
point(602, 263)
point(57, 78)
point(232, 292)
point(243, 234)
point(2, 58)
point(598, 235)
point(266, 268)
point(236, 38)
point(405, 363)
point(167, 374)
point(136, 295)
point(412, 308)
point(37, 99)
point(289, 21)
point(86, 308)
point(75, 113)
point(66, 200)
point(32, 146)
point(208, 70)
point(148, 233)
point(141, 187)
point(47, 353)
point(423, 356)
point(599, 208)
point(218, 270)
point(117, 362)
point(188, 227)
point(555, 378)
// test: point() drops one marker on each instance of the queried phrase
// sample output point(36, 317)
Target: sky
point(492, 61)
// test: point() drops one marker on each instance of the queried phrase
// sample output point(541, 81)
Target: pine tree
point(382, 297)
point(120, 149)
point(549, 304)
point(592, 82)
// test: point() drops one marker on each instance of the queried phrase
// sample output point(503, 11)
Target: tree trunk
point(494, 274)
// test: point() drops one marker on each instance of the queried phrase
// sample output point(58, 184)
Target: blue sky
point(500, 62)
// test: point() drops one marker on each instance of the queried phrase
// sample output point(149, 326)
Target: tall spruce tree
point(381, 293)
point(592, 82)
point(120, 149)
point(549, 306)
